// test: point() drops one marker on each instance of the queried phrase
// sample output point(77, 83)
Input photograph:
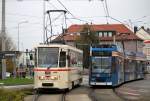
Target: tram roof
point(61, 46)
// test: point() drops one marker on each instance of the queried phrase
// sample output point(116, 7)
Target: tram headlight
point(41, 77)
point(54, 78)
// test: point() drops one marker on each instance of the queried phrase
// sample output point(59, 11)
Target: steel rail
point(36, 95)
point(92, 94)
point(63, 97)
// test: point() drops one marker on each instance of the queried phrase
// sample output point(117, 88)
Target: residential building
point(26, 62)
point(123, 36)
point(144, 34)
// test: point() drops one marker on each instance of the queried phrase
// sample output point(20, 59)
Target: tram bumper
point(101, 79)
point(51, 85)
point(101, 83)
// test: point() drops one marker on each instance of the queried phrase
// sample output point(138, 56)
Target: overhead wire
point(88, 17)
point(105, 11)
point(52, 5)
point(107, 8)
point(71, 13)
point(77, 18)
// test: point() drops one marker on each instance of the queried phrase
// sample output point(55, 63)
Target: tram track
point(104, 94)
point(118, 95)
point(36, 95)
point(63, 97)
point(83, 92)
point(92, 94)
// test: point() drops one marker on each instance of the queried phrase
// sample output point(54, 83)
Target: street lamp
point(18, 30)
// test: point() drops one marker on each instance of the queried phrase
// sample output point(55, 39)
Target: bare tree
point(9, 43)
point(87, 38)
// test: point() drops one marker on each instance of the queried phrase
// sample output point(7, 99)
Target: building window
point(100, 34)
point(97, 33)
point(105, 34)
point(110, 34)
point(148, 51)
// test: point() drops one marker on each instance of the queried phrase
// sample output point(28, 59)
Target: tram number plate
point(47, 84)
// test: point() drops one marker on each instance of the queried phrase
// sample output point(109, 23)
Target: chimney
point(64, 31)
point(148, 30)
point(142, 27)
point(135, 29)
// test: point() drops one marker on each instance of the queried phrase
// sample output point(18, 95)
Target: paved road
point(106, 95)
point(133, 91)
point(136, 91)
point(45, 97)
point(83, 93)
point(79, 93)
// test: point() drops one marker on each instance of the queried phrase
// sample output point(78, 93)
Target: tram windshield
point(48, 57)
point(101, 64)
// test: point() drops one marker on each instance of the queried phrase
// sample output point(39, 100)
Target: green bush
point(11, 95)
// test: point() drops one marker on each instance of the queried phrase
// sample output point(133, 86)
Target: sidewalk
point(18, 87)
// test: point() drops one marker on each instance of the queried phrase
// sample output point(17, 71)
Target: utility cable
point(71, 13)
point(105, 11)
point(52, 5)
point(107, 8)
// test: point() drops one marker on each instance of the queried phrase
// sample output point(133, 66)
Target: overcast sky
point(31, 33)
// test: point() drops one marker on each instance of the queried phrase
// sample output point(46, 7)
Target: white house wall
point(143, 34)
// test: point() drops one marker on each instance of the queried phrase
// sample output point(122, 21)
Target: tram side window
point(73, 58)
point(79, 61)
point(62, 60)
point(35, 59)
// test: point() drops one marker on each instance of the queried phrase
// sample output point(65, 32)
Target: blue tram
point(111, 66)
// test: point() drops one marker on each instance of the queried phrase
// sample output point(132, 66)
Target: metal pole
point(19, 33)
point(18, 36)
point(51, 27)
point(3, 39)
point(19, 44)
point(3, 25)
point(14, 63)
point(43, 21)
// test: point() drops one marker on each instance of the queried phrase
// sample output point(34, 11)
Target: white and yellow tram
point(57, 66)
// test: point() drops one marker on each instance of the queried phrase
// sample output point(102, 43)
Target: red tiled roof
point(123, 33)
point(67, 37)
point(147, 41)
point(120, 37)
point(119, 28)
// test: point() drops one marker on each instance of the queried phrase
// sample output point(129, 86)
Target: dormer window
point(110, 34)
point(100, 34)
point(105, 34)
